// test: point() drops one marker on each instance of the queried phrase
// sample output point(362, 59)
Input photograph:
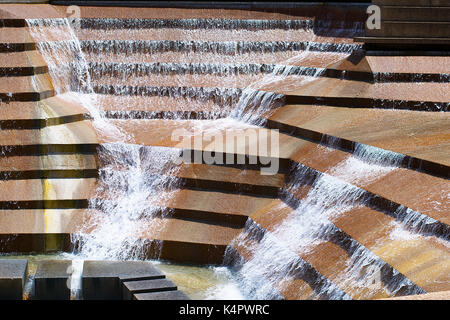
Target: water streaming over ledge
point(135, 180)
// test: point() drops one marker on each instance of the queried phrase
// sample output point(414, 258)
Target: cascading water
point(136, 180)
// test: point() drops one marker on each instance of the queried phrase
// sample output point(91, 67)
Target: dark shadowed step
point(158, 285)
point(165, 295)
point(12, 278)
point(103, 279)
point(51, 280)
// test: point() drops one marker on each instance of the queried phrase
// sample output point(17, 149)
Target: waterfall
point(318, 199)
point(134, 180)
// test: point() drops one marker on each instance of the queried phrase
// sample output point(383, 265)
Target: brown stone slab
point(399, 64)
point(327, 258)
point(442, 295)
point(328, 87)
point(37, 222)
point(209, 35)
point(80, 132)
point(48, 189)
point(48, 162)
point(379, 128)
point(423, 259)
point(22, 59)
point(25, 84)
point(192, 232)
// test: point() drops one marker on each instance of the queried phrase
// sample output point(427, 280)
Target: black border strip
point(17, 47)
point(353, 102)
point(47, 149)
point(26, 96)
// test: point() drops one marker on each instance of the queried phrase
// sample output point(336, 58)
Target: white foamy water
point(311, 223)
point(134, 180)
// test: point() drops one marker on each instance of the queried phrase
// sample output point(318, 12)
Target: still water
point(198, 282)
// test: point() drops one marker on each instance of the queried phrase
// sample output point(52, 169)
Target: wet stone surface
point(103, 279)
point(51, 281)
point(144, 286)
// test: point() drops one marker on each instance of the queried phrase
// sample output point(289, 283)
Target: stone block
point(164, 295)
point(144, 286)
point(13, 273)
point(51, 281)
point(102, 280)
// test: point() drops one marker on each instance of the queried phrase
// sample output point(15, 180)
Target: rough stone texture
point(442, 295)
point(166, 295)
point(143, 286)
point(103, 279)
point(51, 280)
point(12, 278)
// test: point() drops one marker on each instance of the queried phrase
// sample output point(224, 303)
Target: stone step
point(37, 83)
point(135, 73)
point(318, 252)
point(418, 137)
point(103, 280)
point(165, 295)
point(295, 57)
point(208, 35)
point(416, 256)
point(354, 91)
point(13, 273)
point(51, 281)
point(404, 64)
point(131, 288)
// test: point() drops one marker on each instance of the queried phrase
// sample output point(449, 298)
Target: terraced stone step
point(290, 35)
point(416, 256)
point(128, 71)
point(421, 137)
point(300, 281)
point(201, 46)
point(339, 247)
point(231, 95)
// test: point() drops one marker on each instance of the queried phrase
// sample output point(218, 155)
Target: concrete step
point(131, 288)
point(51, 281)
point(208, 35)
point(103, 280)
point(415, 256)
point(13, 273)
point(165, 295)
